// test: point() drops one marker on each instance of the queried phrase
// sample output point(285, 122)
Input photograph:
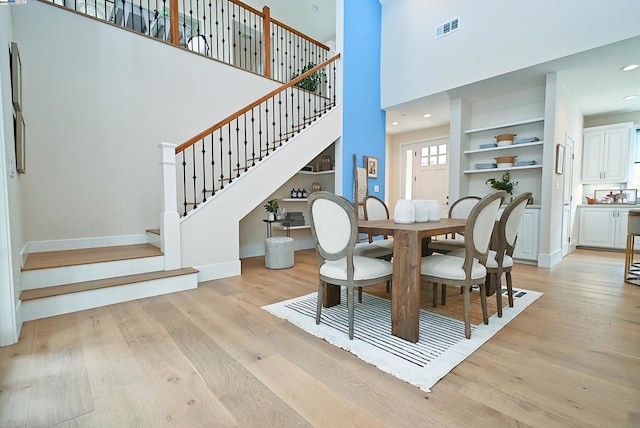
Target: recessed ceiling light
point(427, 115)
point(630, 67)
point(395, 123)
point(314, 7)
point(630, 97)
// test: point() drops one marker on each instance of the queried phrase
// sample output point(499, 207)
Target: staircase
point(60, 282)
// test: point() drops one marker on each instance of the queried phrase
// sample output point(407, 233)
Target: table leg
point(405, 292)
point(331, 295)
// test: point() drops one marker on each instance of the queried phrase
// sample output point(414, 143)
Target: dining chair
point(334, 227)
point(500, 256)
point(460, 209)
point(376, 209)
point(469, 270)
point(500, 259)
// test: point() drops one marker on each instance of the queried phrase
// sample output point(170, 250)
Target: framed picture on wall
point(19, 136)
point(16, 77)
point(559, 159)
point(372, 166)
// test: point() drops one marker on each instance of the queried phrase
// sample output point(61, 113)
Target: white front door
point(426, 174)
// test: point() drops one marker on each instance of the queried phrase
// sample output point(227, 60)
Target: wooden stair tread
point(51, 259)
point(58, 290)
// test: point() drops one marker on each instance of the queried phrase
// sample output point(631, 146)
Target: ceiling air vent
point(447, 27)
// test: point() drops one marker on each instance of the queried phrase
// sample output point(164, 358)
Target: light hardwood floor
point(211, 357)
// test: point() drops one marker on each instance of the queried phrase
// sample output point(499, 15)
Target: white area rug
point(441, 347)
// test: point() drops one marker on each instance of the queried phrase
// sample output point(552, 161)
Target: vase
point(405, 212)
point(422, 210)
point(434, 210)
point(270, 216)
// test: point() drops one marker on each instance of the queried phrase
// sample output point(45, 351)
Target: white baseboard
point(218, 270)
point(550, 260)
point(258, 250)
point(78, 243)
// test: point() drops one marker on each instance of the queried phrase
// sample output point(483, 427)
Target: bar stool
point(631, 268)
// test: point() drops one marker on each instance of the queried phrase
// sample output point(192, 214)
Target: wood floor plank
point(570, 359)
point(248, 400)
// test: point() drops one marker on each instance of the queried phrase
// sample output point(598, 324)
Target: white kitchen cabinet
point(603, 226)
point(605, 156)
point(527, 243)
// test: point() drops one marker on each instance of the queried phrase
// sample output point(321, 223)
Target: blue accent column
point(363, 120)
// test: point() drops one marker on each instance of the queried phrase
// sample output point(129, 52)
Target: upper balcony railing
point(226, 30)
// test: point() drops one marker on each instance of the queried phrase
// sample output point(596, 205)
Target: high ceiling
point(593, 78)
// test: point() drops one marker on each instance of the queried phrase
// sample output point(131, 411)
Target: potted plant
point(504, 184)
point(310, 83)
point(271, 207)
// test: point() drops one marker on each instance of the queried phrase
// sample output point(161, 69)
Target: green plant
point(272, 206)
point(504, 184)
point(310, 83)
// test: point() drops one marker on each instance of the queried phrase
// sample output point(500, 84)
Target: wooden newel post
point(266, 40)
point(175, 22)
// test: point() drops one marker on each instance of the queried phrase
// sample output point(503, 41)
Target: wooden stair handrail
point(259, 101)
point(298, 33)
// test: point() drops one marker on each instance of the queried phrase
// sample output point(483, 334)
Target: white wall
point(10, 206)
point(96, 109)
point(414, 65)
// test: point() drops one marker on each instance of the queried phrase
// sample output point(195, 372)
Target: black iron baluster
point(210, 31)
point(286, 114)
point(217, 33)
point(223, 39)
point(253, 139)
point(260, 131)
point(184, 181)
point(237, 147)
point(273, 122)
point(280, 116)
point(204, 175)
point(184, 22)
point(293, 119)
point(244, 118)
point(195, 200)
point(221, 161)
point(229, 154)
point(213, 167)
point(266, 123)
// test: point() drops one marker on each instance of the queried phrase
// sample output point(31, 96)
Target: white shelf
point(510, 168)
point(506, 125)
point(295, 200)
point(331, 171)
point(511, 146)
point(280, 227)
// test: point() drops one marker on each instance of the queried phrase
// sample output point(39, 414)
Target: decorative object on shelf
point(503, 184)
point(559, 158)
point(295, 218)
point(304, 194)
point(299, 194)
point(505, 161)
point(309, 83)
point(486, 165)
point(488, 145)
point(524, 140)
point(405, 212)
point(308, 168)
point(271, 207)
point(505, 139)
point(315, 187)
point(372, 166)
point(325, 164)
point(294, 193)
point(281, 213)
point(525, 163)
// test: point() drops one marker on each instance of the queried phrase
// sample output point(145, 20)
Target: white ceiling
point(593, 78)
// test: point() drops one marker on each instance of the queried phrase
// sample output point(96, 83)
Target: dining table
point(410, 242)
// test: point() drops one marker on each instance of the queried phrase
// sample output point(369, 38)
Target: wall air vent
point(447, 27)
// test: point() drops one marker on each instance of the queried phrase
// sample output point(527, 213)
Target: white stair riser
point(39, 278)
point(74, 302)
point(154, 239)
